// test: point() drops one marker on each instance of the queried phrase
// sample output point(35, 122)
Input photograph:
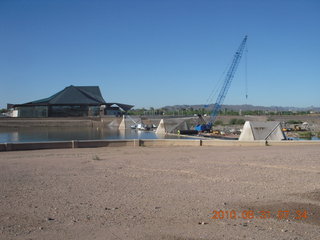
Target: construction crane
point(206, 127)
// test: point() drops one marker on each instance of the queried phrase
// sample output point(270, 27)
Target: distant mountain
point(244, 107)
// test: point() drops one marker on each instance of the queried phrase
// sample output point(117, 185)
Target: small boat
point(143, 127)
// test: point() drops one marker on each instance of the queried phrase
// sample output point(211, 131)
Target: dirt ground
point(161, 193)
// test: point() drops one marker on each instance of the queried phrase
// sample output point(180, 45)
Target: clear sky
point(153, 53)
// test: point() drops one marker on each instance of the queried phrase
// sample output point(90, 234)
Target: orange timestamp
point(263, 214)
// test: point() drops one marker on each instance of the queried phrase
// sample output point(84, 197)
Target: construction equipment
point(297, 128)
point(206, 127)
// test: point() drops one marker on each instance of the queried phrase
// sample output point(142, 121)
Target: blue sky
point(154, 53)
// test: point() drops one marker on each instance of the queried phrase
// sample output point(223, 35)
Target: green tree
point(218, 122)
point(236, 121)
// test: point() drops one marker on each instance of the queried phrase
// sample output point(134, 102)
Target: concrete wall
point(232, 143)
point(35, 145)
point(3, 147)
point(145, 143)
point(291, 143)
point(169, 142)
point(104, 143)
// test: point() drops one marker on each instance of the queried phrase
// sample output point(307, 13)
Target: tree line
point(204, 111)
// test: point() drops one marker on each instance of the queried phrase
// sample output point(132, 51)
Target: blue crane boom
point(224, 90)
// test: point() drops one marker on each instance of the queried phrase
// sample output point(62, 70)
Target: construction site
point(249, 178)
point(85, 106)
point(253, 129)
point(159, 120)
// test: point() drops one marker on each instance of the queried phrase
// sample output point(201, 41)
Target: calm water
point(62, 134)
point(41, 134)
point(302, 139)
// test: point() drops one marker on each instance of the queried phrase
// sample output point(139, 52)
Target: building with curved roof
point(73, 101)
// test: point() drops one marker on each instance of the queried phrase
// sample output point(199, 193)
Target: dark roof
point(89, 95)
point(125, 107)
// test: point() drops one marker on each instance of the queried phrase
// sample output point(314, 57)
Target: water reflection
point(305, 138)
point(72, 133)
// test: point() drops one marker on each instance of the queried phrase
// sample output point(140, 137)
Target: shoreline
point(20, 146)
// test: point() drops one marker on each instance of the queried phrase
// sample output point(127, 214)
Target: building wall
point(69, 111)
point(58, 111)
point(115, 111)
point(26, 111)
point(33, 111)
point(94, 111)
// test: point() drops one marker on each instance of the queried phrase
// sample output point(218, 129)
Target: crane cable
point(215, 90)
point(246, 72)
point(217, 87)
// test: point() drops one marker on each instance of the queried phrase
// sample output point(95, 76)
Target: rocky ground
point(177, 193)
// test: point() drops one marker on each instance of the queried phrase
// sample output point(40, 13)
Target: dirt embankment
point(167, 193)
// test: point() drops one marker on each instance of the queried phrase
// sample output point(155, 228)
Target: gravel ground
point(161, 193)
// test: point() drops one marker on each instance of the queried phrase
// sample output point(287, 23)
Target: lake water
point(306, 139)
point(42, 134)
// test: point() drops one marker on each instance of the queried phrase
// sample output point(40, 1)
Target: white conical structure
point(161, 128)
point(262, 131)
point(123, 123)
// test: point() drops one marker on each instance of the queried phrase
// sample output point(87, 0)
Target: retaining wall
point(290, 143)
point(145, 143)
point(35, 145)
point(232, 143)
point(169, 142)
point(104, 143)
